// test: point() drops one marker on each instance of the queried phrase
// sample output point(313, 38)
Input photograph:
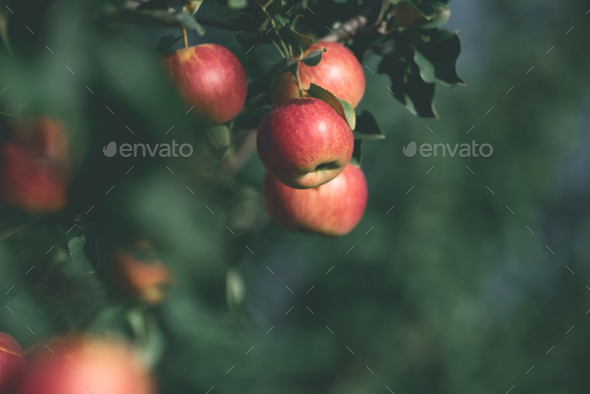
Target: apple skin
point(339, 71)
point(304, 142)
point(141, 278)
point(332, 209)
point(211, 78)
point(96, 365)
point(12, 362)
point(34, 166)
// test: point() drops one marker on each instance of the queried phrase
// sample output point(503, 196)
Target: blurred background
point(445, 288)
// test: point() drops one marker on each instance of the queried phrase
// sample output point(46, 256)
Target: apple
point(332, 209)
point(12, 362)
point(339, 71)
point(34, 165)
point(73, 365)
point(143, 278)
point(304, 142)
point(210, 78)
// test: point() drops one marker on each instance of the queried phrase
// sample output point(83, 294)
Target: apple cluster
point(303, 142)
point(306, 147)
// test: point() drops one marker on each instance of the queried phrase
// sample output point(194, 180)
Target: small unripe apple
point(210, 78)
point(12, 362)
point(141, 277)
point(74, 365)
point(339, 71)
point(304, 142)
point(34, 166)
point(332, 209)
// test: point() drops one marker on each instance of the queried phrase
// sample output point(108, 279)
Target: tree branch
point(349, 29)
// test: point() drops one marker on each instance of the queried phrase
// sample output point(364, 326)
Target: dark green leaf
point(407, 85)
point(166, 42)
point(219, 139)
point(357, 153)
point(342, 107)
point(282, 21)
point(76, 250)
point(436, 56)
point(294, 38)
point(367, 127)
point(314, 57)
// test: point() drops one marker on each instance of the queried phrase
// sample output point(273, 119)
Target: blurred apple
point(139, 273)
point(12, 362)
point(331, 209)
point(304, 142)
point(211, 78)
point(34, 165)
point(74, 365)
point(339, 71)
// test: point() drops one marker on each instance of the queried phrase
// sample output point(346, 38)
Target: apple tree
point(147, 143)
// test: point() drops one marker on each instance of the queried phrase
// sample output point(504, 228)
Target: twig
point(349, 29)
point(238, 160)
point(9, 234)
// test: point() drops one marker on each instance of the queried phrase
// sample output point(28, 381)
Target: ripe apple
point(211, 78)
point(12, 362)
point(143, 277)
point(34, 165)
point(339, 71)
point(331, 209)
point(304, 142)
point(73, 365)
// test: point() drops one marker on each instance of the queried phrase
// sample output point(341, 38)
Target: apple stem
point(298, 82)
point(184, 36)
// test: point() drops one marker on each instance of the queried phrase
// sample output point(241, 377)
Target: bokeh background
point(446, 292)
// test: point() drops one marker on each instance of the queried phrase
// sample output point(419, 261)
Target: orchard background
point(463, 274)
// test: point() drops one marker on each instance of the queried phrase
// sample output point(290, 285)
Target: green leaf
point(407, 85)
point(436, 56)
point(349, 114)
point(342, 107)
point(291, 36)
point(439, 15)
point(188, 21)
point(237, 4)
point(76, 249)
point(281, 20)
point(219, 139)
point(314, 58)
point(235, 288)
point(367, 127)
point(357, 153)
point(166, 42)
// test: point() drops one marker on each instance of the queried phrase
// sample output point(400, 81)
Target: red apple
point(211, 78)
point(12, 362)
point(339, 71)
point(304, 142)
point(331, 209)
point(74, 365)
point(34, 166)
point(143, 278)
